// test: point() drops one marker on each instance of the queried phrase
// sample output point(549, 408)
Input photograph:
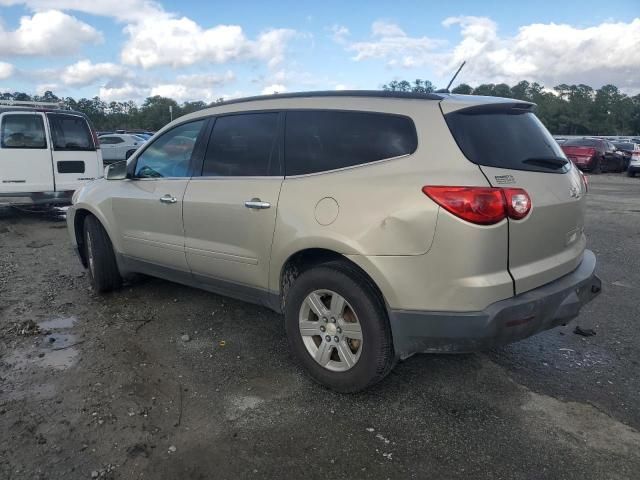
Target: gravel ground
point(164, 381)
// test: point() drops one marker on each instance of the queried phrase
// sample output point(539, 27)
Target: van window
point(170, 154)
point(243, 145)
point(318, 140)
point(506, 137)
point(70, 132)
point(23, 131)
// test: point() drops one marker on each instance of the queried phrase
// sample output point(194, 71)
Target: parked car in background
point(380, 223)
point(119, 146)
point(593, 155)
point(45, 154)
point(634, 163)
point(627, 149)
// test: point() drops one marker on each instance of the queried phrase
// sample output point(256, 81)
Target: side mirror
point(116, 171)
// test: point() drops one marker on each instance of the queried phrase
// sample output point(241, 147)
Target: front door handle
point(257, 204)
point(168, 198)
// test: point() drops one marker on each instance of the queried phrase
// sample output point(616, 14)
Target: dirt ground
point(163, 381)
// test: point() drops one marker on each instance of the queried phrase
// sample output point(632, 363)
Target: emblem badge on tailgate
point(504, 179)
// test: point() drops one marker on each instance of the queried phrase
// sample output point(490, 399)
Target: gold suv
point(380, 223)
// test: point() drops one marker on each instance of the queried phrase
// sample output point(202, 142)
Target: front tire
point(338, 329)
point(101, 261)
point(631, 173)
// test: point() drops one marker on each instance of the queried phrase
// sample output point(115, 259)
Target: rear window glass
point(625, 146)
point(506, 138)
point(243, 145)
point(70, 132)
point(582, 142)
point(317, 140)
point(23, 131)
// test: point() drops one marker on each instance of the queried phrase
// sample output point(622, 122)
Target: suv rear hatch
point(513, 149)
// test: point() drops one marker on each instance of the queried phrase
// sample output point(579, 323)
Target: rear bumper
point(36, 198)
point(503, 322)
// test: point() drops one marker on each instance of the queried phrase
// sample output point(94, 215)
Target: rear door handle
point(168, 199)
point(257, 204)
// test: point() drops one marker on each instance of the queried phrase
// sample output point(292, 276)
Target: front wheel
point(128, 154)
point(631, 173)
point(103, 269)
point(338, 329)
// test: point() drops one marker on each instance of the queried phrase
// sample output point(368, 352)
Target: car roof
point(6, 109)
point(452, 101)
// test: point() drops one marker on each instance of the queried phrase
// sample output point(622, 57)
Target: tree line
point(565, 110)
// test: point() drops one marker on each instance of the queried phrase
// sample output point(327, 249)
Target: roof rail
point(33, 104)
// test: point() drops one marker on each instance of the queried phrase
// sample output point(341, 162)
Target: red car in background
point(593, 155)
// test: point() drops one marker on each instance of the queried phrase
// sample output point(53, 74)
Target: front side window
point(170, 154)
point(23, 131)
point(70, 132)
point(243, 145)
point(317, 141)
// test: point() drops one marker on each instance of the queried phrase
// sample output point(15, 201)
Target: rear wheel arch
point(308, 258)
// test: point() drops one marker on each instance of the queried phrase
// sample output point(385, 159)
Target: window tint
point(243, 145)
point(317, 141)
point(70, 132)
point(506, 138)
point(170, 154)
point(110, 140)
point(23, 131)
point(583, 142)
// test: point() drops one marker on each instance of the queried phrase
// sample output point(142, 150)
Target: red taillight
point(518, 202)
point(591, 152)
point(481, 205)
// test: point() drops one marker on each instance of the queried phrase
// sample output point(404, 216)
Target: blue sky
point(204, 50)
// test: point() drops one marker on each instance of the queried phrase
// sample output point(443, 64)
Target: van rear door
point(514, 150)
point(75, 151)
point(25, 158)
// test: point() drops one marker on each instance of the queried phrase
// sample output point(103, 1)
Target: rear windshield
point(70, 132)
point(625, 146)
point(582, 142)
point(506, 137)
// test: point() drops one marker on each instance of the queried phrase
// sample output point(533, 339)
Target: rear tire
point(597, 168)
point(103, 269)
point(630, 173)
point(363, 313)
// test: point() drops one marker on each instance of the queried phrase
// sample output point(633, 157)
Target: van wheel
point(128, 154)
point(338, 329)
point(630, 173)
point(103, 269)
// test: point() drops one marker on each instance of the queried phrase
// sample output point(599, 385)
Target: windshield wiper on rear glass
point(553, 163)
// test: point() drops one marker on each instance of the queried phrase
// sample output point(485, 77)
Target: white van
point(45, 155)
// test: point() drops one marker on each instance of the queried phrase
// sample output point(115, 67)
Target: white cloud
point(381, 28)
point(50, 32)
point(339, 33)
point(179, 42)
point(121, 10)
point(548, 53)
point(123, 92)
point(275, 88)
point(85, 73)
point(395, 47)
point(6, 70)
point(194, 87)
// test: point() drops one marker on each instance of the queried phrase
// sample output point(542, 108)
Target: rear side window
point(319, 140)
point(243, 145)
point(110, 140)
point(506, 137)
point(22, 131)
point(70, 132)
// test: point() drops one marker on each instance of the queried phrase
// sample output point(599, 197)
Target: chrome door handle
point(168, 199)
point(257, 204)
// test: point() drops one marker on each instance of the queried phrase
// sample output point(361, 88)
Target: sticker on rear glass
point(503, 179)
